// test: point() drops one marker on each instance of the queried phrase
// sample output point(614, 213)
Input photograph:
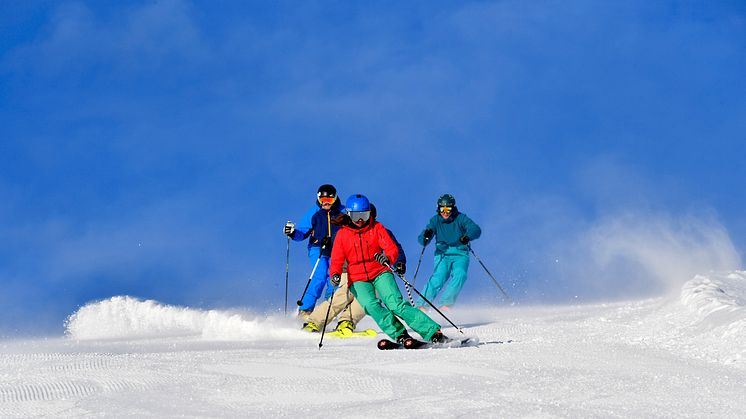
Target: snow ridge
point(720, 299)
point(124, 317)
point(706, 322)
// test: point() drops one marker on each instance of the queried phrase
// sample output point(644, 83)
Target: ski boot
point(439, 337)
point(408, 342)
point(345, 328)
point(310, 327)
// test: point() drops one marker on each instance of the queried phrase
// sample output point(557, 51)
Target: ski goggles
point(326, 200)
point(359, 215)
point(445, 210)
point(325, 193)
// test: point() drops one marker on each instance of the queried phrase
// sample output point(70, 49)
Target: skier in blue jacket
point(453, 231)
point(316, 226)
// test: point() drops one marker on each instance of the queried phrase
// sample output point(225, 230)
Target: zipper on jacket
point(365, 267)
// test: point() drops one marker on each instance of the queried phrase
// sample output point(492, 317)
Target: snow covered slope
point(708, 323)
point(665, 357)
point(128, 318)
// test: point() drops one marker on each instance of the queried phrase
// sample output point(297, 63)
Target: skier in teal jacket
point(453, 231)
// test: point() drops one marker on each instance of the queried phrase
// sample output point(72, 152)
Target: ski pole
point(418, 265)
point(424, 298)
point(418, 268)
point(488, 273)
point(287, 269)
point(406, 287)
point(313, 271)
point(326, 319)
point(409, 294)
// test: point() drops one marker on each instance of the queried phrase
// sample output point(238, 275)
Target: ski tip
point(385, 344)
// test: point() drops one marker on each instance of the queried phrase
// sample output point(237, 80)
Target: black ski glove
point(464, 239)
point(336, 280)
point(325, 242)
point(427, 235)
point(381, 258)
point(400, 268)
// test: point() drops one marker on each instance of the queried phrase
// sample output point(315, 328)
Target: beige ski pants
point(344, 304)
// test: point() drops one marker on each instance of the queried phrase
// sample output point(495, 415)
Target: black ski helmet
point(446, 200)
point(327, 190)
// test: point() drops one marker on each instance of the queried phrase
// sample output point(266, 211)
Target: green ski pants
point(389, 306)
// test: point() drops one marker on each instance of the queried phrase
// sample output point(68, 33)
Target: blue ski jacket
point(316, 224)
point(448, 232)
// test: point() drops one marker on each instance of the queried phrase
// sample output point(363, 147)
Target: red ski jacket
point(357, 247)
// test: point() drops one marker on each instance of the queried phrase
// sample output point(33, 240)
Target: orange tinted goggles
point(326, 200)
point(445, 210)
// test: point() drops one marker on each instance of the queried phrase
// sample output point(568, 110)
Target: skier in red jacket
point(367, 248)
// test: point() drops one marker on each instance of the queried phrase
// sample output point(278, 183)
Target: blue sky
point(155, 149)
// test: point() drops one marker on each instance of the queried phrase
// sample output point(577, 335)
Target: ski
point(386, 344)
point(362, 333)
point(456, 343)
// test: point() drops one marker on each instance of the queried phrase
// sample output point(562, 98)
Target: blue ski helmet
point(446, 200)
point(357, 203)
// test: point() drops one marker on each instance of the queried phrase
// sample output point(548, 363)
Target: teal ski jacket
point(448, 232)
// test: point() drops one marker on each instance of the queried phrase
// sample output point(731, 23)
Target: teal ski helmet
point(446, 200)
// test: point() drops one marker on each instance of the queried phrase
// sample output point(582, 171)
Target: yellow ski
point(348, 334)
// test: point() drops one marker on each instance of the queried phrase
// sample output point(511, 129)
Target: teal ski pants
point(453, 266)
point(389, 306)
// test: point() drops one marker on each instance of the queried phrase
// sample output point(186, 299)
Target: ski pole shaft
point(424, 298)
point(488, 273)
point(418, 265)
point(287, 270)
point(409, 294)
point(313, 271)
point(326, 319)
point(406, 287)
